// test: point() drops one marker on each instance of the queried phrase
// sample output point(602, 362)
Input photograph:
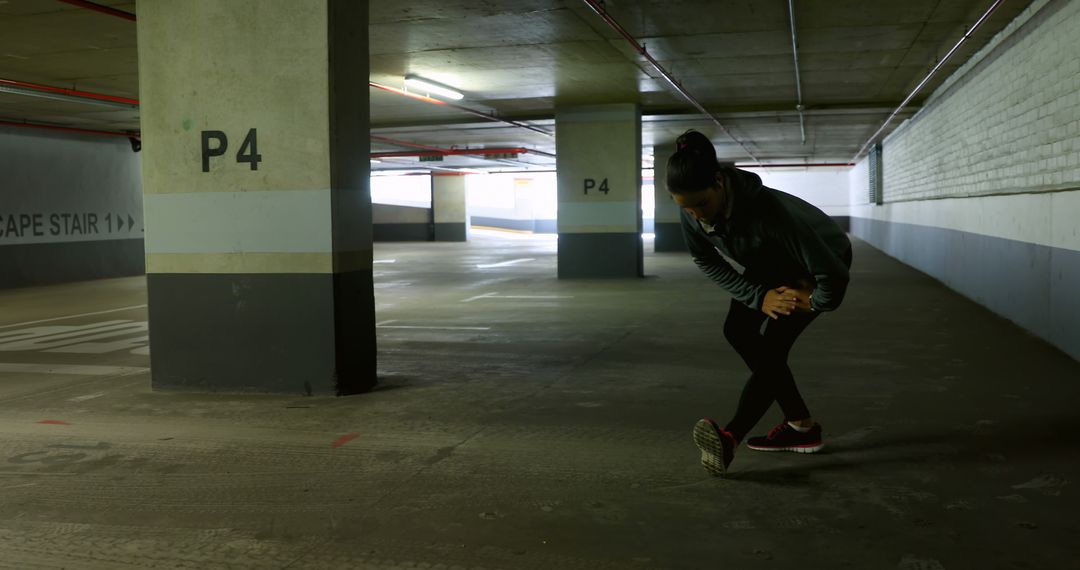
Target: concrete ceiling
point(520, 59)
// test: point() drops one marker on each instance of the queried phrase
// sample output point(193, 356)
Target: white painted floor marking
point(86, 397)
point(484, 296)
point(498, 296)
point(73, 316)
point(434, 328)
point(76, 369)
point(505, 263)
point(385, 261)
point(385, 322)
point(17, 486)
point(536, 297)
point(56, 336)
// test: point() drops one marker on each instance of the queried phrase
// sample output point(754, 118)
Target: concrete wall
point(982, 186)
point(401, 223)
point(512, 202)
point(826, 188)
point(70, 208)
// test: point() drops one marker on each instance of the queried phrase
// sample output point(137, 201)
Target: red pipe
point(100, 8)
point(70, 92)
point(67, 129)
point(600, 11)
point(463, 109)
point(459, 152)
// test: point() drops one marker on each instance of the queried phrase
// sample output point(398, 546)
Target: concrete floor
point(532, 423)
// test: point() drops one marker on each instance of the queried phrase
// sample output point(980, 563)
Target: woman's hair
point(693, 167)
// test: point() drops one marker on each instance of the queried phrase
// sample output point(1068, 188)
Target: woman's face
point(705, 205)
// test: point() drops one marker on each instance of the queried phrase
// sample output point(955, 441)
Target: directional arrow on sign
point(119, 223)
point(131, 223)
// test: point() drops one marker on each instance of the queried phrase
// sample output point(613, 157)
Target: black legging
point(766, 354)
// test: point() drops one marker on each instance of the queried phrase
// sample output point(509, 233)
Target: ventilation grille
point(876, 185)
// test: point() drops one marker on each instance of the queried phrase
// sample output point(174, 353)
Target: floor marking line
point(344, 439)
point(386, 322)
point(86, 397)
point(73, 316)
point(505, 263)
point(485, 295)
point(434, 328)
point(536, 297)
point(22, 473)
point(385, 261)
point(76, 369)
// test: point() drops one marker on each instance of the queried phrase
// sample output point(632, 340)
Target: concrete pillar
point(449, 205)
point(668, 228)
point(599, 185)
point(255, 180)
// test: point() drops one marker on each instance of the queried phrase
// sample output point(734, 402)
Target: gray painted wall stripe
point(1030, 284)
point(46, 263)
point(402, 232)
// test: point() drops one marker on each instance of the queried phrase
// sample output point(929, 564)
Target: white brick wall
point(1007, 122)
point(982, 186)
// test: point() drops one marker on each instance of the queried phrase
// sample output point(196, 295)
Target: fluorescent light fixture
point(432, 87)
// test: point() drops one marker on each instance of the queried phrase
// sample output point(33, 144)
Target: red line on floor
point(344, 439)
point(54, 422)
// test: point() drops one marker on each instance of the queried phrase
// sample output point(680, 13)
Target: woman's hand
point(779, 302)
point(802, 297)
point(783, 301)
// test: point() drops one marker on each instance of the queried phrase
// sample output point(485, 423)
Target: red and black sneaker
point(716, 444)
point(786, 438)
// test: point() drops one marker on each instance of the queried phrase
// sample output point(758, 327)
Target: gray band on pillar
point(600, 255)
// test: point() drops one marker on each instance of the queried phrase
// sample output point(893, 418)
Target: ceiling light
point(432, 87)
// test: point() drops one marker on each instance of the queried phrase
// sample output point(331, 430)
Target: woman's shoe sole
point(707, 439)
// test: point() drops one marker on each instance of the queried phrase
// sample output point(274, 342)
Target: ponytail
point(693, 167)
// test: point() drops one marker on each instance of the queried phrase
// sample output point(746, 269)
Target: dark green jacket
point(778, 239)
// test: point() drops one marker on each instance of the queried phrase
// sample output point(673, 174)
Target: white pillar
point(450, 208)
point(599, 180)
point(257, 205)
point(668, 227)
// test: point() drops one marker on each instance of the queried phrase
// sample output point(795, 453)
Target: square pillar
point(448, 203)
point(256, 197)
point(667, 225)
point(599, 188)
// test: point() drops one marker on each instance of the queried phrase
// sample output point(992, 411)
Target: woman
point(796, 262)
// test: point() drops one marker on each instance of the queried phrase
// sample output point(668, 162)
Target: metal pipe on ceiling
point(798, 82)
point(480, 152)
point(427, 150)
point(598, 7)
point(397, 142)
point(69, 95)
point(462, 108)
point(99, 8)
point(68, 129)
point(434, 150)
point(964, 38)
point(798, 165)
